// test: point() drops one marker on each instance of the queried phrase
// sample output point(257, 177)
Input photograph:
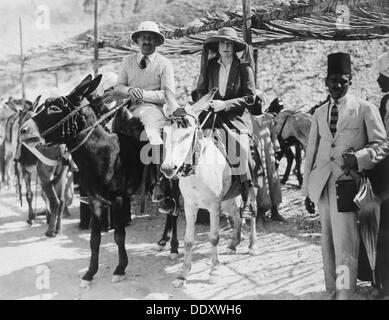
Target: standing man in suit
point(339, 143)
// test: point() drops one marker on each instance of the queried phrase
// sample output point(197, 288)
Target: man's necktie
point(334, 119)
point(142, 63)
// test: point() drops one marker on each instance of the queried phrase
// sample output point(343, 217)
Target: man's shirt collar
point(342, 101)
point(150, 58)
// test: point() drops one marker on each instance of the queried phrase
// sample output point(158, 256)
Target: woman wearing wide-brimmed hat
point(235, 79)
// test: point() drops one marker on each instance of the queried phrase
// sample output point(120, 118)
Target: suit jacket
point(240, 93)
point(361, 126)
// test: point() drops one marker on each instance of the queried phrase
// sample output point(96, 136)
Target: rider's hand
point(218, 105)
point(349, 161)
point(309, 205)
point(135, 93)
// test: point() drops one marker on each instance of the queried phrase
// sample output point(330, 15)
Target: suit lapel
point(324, 119)
point(350, 106)
point(232, 76)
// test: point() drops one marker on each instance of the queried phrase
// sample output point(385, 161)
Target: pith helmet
point(148, 26)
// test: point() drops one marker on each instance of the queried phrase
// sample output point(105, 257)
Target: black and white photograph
point(194, 150)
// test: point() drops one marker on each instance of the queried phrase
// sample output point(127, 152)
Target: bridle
point(72, 124)
point(187, 167)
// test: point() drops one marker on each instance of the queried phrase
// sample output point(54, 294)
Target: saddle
point(129, 130)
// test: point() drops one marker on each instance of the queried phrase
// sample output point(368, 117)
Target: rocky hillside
point(293, 71)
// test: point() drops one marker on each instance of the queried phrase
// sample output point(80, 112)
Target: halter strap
point(71, 114)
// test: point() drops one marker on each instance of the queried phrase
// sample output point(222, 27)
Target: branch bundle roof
point(283, 21)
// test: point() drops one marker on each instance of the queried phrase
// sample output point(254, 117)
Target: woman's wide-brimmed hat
point(225, 34)
point(148, 26)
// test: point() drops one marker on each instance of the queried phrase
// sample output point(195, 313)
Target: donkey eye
point(53, 109)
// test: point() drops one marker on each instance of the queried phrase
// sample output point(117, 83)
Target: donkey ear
point(79, 91)
point(92, 86)
point(36, 103)
point(204, 102)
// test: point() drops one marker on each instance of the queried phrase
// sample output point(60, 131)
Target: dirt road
point(288, 264)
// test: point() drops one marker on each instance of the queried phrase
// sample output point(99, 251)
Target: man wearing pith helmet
point(144, 76)
point(339, 147)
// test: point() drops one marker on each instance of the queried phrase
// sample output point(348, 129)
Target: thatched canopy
point(282, 21)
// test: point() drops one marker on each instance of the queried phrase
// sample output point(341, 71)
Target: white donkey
point(208, 184)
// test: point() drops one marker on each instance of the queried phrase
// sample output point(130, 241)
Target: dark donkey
point(97, 155)
point(52, 169)
point(150, 174)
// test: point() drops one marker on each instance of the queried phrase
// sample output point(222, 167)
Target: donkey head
point(179, 132)
point(58, 118)
point(275, 106)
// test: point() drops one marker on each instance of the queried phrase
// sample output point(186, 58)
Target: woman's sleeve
point(247, 90)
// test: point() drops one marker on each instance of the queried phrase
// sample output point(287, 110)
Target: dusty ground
point(288, 266)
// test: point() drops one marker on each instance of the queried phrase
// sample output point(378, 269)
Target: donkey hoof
point(230, 251)
point(50, 234)
point(85, 284)
point(253, 252)
point(160, 248)
point(118, 277)
point(178, 283)
point(174, 256)
point(30, 222)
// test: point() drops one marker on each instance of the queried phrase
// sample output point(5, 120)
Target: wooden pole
point(96, 42)
point(248, 35)
point(56, 79)
point(247, 22)
point(21, 59)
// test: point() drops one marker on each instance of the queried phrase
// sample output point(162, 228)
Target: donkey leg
point(120, 215)
point(165, 236)
point(95, 239)
point(190, 215)
point(237, 227)
point(253, 237)
point(298, 164)
point(289, 157)
point(54, 206)
point(214, 216)
point(29, 196)
point(62, 199)
point(174, 242)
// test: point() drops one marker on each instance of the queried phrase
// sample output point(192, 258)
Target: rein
point(92, 127)
point(71, 114)
point(88, 130)
point(190, 160)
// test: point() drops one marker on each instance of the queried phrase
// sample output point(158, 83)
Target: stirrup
point(171, 211)
point(249, 210)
